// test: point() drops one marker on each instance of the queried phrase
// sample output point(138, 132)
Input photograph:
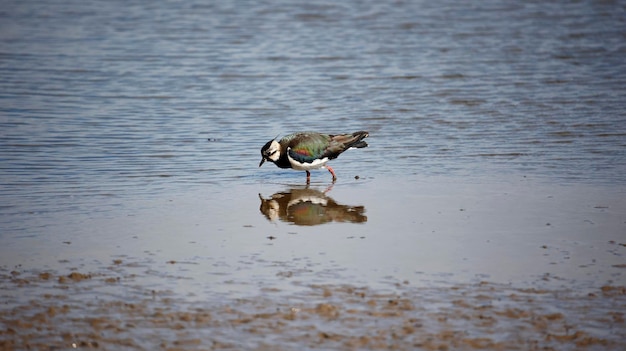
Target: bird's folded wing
point(308, 148)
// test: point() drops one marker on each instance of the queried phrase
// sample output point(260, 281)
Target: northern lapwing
point(304, 151)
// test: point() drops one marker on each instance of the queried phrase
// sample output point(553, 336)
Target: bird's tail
point(357, 140)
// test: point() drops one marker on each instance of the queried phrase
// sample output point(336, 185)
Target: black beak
point(262, 160)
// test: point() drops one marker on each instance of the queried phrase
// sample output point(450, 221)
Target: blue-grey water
point(103, 102)
point(119, 99)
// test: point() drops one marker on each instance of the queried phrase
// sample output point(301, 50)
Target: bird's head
point(270, 152)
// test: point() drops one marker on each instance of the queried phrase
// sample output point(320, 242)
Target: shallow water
point(130, 137)
point(100, 102)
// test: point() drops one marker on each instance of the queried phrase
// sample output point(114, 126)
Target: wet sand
point(364, 264)
point(67, 313)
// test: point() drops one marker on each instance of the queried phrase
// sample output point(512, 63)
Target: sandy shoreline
point(67, 311)
point(363, 264)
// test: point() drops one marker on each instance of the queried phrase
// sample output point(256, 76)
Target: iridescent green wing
point(307, 147)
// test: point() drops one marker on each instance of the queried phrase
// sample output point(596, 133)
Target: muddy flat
point(362, 264)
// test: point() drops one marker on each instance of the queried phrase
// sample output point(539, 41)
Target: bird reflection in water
point(304, 206)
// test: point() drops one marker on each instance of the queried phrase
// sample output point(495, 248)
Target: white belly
point(307, 166)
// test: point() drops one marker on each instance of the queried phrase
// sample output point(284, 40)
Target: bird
point(304, 151)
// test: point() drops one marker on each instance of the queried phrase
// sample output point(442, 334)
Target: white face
point(273, 151)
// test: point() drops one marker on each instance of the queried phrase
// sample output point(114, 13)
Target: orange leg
point(331, 172)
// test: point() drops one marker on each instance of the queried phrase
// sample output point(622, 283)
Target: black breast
point(283, 161)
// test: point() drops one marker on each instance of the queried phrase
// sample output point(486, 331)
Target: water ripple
point(98, 103)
